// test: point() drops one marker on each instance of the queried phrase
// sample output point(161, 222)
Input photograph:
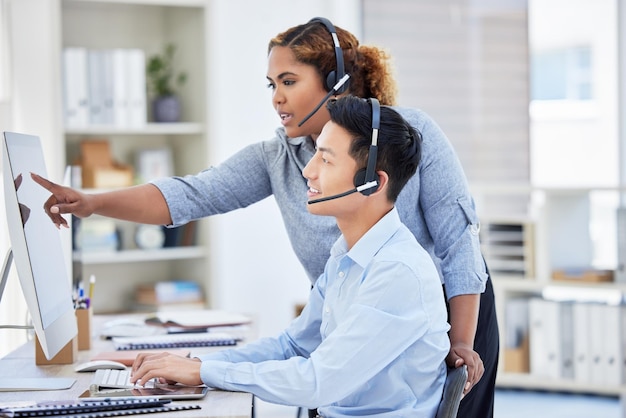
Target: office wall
point(466, 64)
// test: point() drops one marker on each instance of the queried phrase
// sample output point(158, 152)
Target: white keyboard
point(112, 378)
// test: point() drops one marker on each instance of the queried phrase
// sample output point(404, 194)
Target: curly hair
point(370, 69)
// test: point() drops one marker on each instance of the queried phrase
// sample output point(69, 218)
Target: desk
point(21, 363)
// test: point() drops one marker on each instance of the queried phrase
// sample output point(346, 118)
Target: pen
point(92, 284)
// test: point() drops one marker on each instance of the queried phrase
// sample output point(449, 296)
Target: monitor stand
point(6, 266)
point(27, 383)
point(20, 384)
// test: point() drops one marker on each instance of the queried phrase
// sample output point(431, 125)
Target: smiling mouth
point(312, 192)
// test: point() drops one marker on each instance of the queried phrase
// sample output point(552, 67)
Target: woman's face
point(296, 90)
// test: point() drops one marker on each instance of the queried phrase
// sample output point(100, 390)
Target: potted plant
point(163, 82)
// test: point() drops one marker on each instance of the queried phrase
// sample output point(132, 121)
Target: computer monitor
point(36, 245)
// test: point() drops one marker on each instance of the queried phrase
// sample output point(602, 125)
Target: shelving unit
point(557, 230)
point(140, 256)
point(181, 128)
point(149, 26)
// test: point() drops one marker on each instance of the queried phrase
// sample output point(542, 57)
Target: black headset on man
point(336, 82)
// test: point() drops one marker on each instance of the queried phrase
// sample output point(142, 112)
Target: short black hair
point(399, 144)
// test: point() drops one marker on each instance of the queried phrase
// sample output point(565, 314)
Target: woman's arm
point(239, 181)
point(463, 321)
point(143, 204)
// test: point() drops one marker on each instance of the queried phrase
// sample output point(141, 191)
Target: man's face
point(331, 171)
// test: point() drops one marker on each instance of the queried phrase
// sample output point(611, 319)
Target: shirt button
point(341, 274)
point(475, 229)
point(327, 310)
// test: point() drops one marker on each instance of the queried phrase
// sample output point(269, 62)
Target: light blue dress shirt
point(371, 340)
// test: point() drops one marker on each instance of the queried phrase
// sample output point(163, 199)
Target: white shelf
point(527, 381)
point(531, 285)
point(180, 3)
point(133, 256)
point(183, 128)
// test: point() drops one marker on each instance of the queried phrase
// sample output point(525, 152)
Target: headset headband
point(333, 78)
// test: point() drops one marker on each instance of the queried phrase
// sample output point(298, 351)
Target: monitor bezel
point(63, 328)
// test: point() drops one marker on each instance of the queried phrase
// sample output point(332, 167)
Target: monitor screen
point(36, 244)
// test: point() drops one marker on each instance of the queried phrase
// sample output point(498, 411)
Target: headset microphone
point(360, 188)
point(332, 91)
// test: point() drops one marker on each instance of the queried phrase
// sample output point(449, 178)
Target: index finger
point(45, 183)
point(138, 361)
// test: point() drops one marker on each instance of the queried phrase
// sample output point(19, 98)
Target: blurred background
point(530, 93)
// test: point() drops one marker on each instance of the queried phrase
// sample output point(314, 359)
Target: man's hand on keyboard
point(167, 368)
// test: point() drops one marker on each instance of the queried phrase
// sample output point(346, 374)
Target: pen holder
point(83, 320)
point(67, 355)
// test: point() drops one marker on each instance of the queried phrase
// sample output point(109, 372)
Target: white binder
point(565, 330)
point(582, 342)
point(544, 340)
point(75, 87)
point(613, 347)
point(121, 97)
point(136, 76)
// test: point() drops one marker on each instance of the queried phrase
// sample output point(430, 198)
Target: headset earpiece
point(333, 77)
point(359, 180)
point(331, 80)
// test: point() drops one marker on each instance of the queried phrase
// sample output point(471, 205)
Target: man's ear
point(383, 182)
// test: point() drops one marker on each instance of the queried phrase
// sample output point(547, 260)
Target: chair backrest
point(452, 391)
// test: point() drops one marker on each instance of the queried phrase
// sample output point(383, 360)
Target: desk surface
point(21, 363)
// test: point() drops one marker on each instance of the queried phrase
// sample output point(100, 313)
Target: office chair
point(452, 391)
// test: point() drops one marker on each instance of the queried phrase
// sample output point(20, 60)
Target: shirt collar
point(299, 140)
point(366, 248)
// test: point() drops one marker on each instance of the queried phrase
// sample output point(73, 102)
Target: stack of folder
point(581, 341)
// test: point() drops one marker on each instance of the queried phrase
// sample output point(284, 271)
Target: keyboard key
point(111, 378)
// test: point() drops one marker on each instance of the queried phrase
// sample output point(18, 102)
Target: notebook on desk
point(96, 408)
point(127, 357)
point(167, 341)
